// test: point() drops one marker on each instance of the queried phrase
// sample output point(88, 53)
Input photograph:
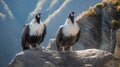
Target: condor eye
point(72, 14)
point(38, 15)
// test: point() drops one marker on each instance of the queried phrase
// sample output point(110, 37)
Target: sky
point(14, 14)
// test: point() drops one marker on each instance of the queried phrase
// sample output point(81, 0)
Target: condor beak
point(38, 16)
point(72, 14)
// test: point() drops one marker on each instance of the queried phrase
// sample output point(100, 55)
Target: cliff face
point(90, 24)
point(99, 25)
point(47, 58)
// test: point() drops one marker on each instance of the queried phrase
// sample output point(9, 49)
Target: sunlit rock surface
point(47, 58)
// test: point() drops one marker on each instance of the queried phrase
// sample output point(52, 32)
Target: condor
point(67, 34)
point(33, 33)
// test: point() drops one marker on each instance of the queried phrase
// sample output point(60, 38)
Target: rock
point(98, 26)
point(117, 48)
point(47, 58)
point(48, 64)
point(52, 45)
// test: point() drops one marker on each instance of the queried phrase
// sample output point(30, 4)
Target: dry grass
point(111, 1)
point(99, 5)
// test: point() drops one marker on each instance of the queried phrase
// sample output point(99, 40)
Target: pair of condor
point(34, 32)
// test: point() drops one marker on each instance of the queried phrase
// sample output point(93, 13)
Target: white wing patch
point(36, 29)
point(70, 29)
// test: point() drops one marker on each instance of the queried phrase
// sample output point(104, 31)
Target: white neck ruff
point(36, 28)
point(69, 28)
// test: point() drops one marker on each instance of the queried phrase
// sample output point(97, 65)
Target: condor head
point(38, 17)
point(71, 16)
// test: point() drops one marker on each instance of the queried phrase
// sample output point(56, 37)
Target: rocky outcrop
point(110, 23)
point(99, 24)
point(47, 58)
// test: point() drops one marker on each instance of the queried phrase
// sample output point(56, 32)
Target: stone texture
point(47, 58)
point(117, 47)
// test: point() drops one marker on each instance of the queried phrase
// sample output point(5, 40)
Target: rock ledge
point(47, 58)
